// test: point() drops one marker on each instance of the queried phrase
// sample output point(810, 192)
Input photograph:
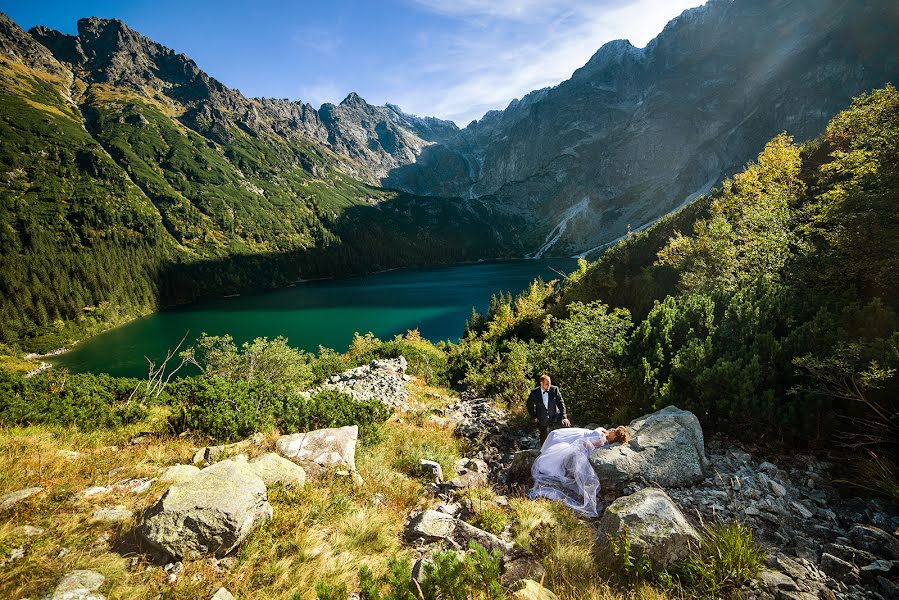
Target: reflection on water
point(437, 301)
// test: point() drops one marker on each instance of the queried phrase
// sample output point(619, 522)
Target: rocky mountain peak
point(19, 46)
point(354, 99)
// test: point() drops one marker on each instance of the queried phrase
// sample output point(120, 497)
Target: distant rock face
point(667, 448)
point(210, 513)
point(637, 131)
point(653, 524)
point(333, 447)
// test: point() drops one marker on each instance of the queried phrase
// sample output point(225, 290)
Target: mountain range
point(116, 146)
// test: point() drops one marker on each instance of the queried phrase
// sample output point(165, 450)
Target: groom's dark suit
point(552, 413)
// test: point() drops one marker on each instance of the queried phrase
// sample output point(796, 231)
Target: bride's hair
point(621, 434)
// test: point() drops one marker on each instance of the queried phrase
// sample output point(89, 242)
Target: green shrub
point(725, 559)
point(221, 409)
point(630, 565)
point(226, 410)
point(272, 361)
point(490, 520)
point(330, 408)
point(54, 397)
point(583, 354)
point(446, 577)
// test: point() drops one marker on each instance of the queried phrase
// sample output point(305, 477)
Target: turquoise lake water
point(437, 301)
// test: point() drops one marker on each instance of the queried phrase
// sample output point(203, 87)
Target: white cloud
point(506, 48)
point(320, 92)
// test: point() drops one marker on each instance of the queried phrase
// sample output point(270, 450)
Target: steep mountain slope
point(131, 179)
point(637, 131)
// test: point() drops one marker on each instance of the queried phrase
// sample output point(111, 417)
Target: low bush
point(82, 400)
point(446, 577)
point(725, 559)
point(227, 410)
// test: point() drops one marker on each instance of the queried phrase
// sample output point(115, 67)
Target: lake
point(436, 300)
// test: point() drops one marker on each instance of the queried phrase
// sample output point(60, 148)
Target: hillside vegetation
point(769, 308)
point(115, 200)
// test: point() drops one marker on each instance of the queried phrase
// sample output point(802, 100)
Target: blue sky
point(453, 59)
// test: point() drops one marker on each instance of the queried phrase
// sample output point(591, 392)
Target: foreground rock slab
point(79, 585)
point(667, 448)
point(210, 513)
point(273, 469)
point(654, 525)
point(333, 447)
point(529, 589)
point(8, 500)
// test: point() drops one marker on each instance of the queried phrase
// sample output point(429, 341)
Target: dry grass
point(565, 545)
point(323, 532)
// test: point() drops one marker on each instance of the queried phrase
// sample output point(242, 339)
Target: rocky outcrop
point(210, 513)
point(635, 132)
point(653, 524)
point(383, 380)
point(324, 448)
point(667, 448)
point(519, 472)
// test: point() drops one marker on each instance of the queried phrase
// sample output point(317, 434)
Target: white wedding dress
point(562, 471)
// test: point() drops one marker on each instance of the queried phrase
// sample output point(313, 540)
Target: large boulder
point(326, 448)
point(273, 469)
point(472, 473)
point(666, 448)
point(652, 523)
point(210, 513)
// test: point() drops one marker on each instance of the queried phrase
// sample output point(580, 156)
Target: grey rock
point(178, 473)
point(382, 380)
point(519, 472)
point(222, 594)
point(213, 454)
point(775, 580)
point(654, 525)
point(528, 589)
point(838, 568)
point(112, 514)
point(332, 447)
point(875, 540)
point(432, 469)
point(274, 469)
point(523, 567)
point(210, 513)
point(666, 448)
point(466, 533)
point(79, 585)
point(430, 526)
point(9, 500)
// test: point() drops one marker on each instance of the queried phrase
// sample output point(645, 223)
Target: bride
point(562, 471)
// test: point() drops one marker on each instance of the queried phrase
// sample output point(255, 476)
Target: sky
point(453, 59)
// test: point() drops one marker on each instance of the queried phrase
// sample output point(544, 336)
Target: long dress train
point(563, 472)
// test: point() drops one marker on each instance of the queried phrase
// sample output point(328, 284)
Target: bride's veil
point(562, 471)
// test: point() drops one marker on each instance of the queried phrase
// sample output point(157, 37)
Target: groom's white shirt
point(545, 399)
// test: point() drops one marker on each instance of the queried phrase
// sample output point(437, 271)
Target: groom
point(546, 407)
